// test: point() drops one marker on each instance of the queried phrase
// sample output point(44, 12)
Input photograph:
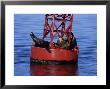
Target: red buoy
point(56, 25)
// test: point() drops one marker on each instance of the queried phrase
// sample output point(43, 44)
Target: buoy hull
point(39, 54)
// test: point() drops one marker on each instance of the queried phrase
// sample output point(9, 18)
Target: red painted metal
point(57, 54)
point(58, 25)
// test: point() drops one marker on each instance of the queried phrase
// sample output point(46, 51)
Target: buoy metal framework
point(58, 25)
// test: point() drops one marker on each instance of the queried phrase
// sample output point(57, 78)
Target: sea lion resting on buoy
point(39, 42)
point(61, 42)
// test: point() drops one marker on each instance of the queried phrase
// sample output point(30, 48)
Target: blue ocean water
point(84, 29)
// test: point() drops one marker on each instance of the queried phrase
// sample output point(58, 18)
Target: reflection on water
point(53, 70)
